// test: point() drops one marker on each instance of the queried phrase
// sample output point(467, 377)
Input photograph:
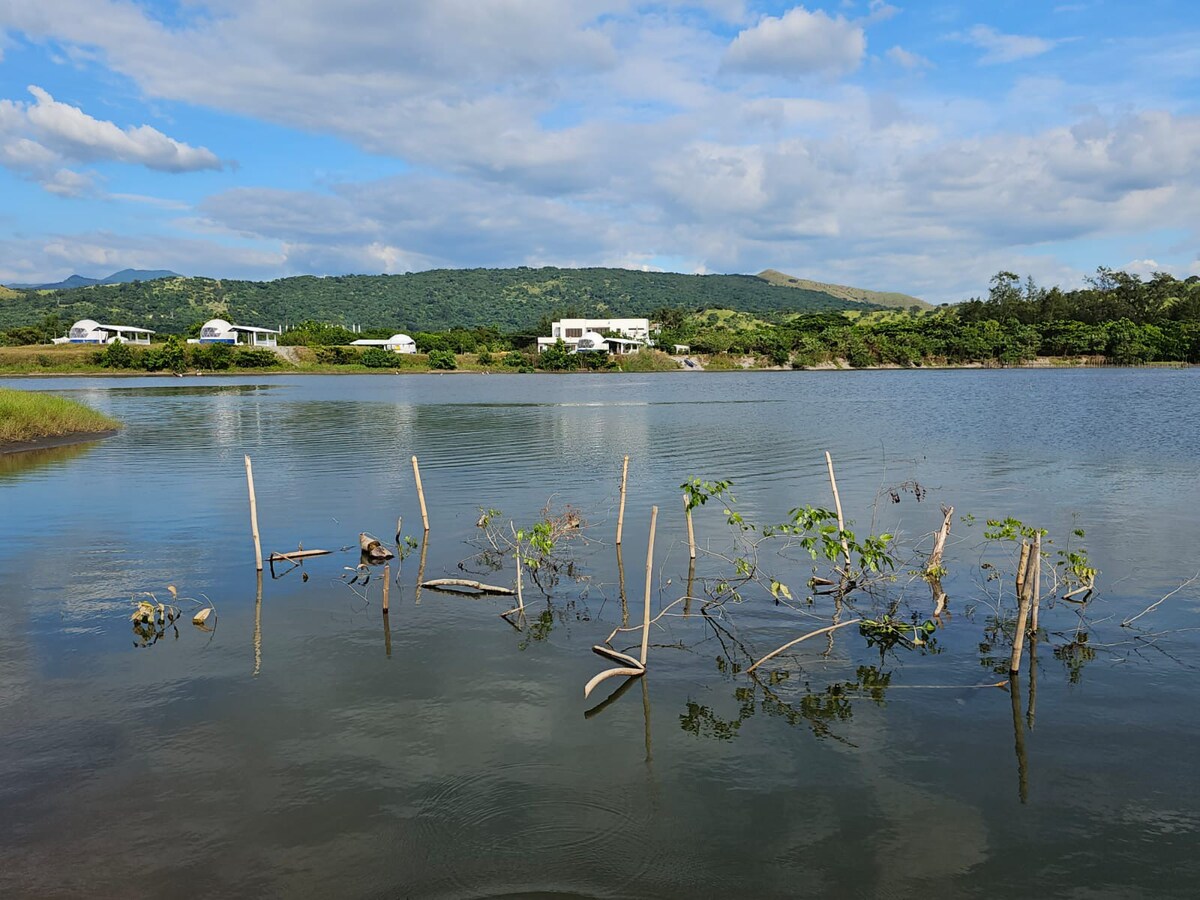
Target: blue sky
point(918, 147)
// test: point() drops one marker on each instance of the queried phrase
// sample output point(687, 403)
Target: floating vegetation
point(153, 619)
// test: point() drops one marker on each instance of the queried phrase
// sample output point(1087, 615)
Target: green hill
point(511, 299)
point(843, 292)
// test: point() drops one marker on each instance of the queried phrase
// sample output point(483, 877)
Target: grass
point(29, 416)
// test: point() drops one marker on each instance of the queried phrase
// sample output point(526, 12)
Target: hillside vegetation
point(510, 299)
point(859, 296)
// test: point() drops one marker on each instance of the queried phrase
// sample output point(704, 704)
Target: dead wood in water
point(615, 655)
point(294, 555)
point(373, 548)
point(829, 629)
point(934, 565)
point(448, 584)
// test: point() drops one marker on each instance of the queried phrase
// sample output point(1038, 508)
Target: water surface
point(298, 750)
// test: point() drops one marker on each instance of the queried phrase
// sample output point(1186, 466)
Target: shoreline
point(51, 441)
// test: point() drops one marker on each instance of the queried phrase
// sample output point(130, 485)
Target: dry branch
point(804, 637)
point(448, 584)
point(609, 673)
point(294, 555)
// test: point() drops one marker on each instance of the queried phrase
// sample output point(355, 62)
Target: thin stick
point(253, 516)
point(803, 637)
point(649, 575)
point(687, 511)
point(420, 493)
point(1036, 587)
point(662, 612)
point(837, 505)
point(621, 513)
point(387, 583)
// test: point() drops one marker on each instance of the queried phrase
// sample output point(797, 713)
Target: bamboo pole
point(621, 588)
point(649, 575)
point(1036, 586)
point(254, 516)
point(687, 511)
point(1014, 665)
point(421, 569)
point(687, 606)
point(1022, 569)
point(387, 583)
point(837, 505)
point(420, 493)
point(621, 512)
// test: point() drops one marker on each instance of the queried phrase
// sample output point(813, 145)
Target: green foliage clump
point(212, 357)
point(116, 355)
point(377, 358)
point(442, 359)
point(337, 356)
point(255, 358)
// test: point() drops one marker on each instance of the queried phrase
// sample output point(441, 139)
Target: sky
point(918, 147)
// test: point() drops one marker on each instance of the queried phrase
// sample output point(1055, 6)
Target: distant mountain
point(519, 299)
point(844, 292)
point(76, 281)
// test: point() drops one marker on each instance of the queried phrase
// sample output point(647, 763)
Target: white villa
point(88, 331)
point(218, 331)
point(584, 335)
point(397, 343)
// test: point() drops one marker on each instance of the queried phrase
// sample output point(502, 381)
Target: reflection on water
point(288, 753)
point(12, 464)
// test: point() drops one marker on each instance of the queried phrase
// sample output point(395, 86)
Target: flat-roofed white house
point(218, 331)
point(397, 343)
point(89, 331)
point(584, 335)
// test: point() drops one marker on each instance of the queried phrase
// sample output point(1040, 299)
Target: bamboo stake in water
point(687, 511)
point(649, 575)
point(420, 494)
point(253, 516)
point(387, 583)
point(1036, 586)
point(621, 588)
point(621, 512)
point(837, 505)
point(1014, 665)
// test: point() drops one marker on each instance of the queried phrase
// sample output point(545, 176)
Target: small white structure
point(89, 331)
point(397, 343)
point(583, 335)
point(218, 331)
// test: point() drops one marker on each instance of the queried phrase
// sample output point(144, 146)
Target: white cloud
point(906, 59)
point(1004, 48)
point(78, 136)
point(798, 43)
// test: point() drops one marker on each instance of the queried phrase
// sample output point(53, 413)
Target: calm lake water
point(300, 751)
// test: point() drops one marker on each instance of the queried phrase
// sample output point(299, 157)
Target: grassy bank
point(28, 416)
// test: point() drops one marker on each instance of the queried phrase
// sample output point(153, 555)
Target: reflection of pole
point(421, 569)
point(621, 512)
point(258, 625)
point(253, 516)
point(387, 624)
point(1031, 714)
point(621, 588)
point(646, 716)
point(649, 575)
point(420, 494)
point(1014, 690)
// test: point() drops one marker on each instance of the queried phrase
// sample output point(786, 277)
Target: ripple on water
point(487, 822)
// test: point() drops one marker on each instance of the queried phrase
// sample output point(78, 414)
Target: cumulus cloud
point(798, 43)
point(1005, 48)
point(41, 140)
point(76, 135)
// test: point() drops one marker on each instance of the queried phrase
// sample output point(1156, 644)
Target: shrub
point(116, 355)
point(442, 359)
point(256, 358)
point(213, 357)
point(515, 360)
point(484, 358)
point(377, 358)
point(338, 356)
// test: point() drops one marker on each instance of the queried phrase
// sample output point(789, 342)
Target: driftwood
point(939, 543)
point(202, 615)
point(373, 548)
point(293, 555)
point(804, 637)
point(615, 655)
point(449, 584)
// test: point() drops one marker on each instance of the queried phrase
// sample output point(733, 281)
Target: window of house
point(574, 332)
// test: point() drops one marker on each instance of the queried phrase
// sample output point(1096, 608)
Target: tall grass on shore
point(30, 416)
